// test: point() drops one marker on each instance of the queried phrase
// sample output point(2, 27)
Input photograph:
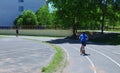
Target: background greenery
point(75, 14)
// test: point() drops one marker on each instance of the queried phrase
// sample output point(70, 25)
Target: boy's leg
point(84, 44)
point(81, 52)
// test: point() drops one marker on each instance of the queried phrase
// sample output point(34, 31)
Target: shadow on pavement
point(97, 39)
point(72, 41)
point(64, 40)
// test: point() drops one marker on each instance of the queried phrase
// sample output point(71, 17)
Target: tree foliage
point(82, 14)
point(26, 18)
point(29, 18)
point(43, 16)
point(88, 13)
point(19, 22)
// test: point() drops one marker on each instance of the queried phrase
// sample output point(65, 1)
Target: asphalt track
point(100, 59)
point(18, 55)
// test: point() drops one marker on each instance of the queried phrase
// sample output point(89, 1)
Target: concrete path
point(18, 55)
point(101, 59)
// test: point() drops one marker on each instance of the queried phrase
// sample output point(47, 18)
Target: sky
point(51, 9)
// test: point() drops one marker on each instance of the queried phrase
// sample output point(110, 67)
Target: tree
point(19, 22)
point(29, 18)
point(108, 11)
point(54, 21)
point(16, 22)
point(43, 16)
point(87, 12)
point(68, 11)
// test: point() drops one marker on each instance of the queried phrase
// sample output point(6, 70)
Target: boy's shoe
point(85, 54)
point(81, 54)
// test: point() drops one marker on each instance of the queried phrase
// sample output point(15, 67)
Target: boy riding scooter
point(83, 39)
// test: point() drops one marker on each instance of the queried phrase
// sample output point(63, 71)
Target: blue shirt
point(83, 37)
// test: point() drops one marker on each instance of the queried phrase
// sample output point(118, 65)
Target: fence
point(40, 32)
point(112, 28)
point(33, 27)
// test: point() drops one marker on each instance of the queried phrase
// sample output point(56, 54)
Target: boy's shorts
point(83, 43)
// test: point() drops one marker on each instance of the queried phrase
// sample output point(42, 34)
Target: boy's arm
point(87, 37)
point(79, 36)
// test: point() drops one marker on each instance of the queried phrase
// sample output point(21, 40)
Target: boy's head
point(83, 32)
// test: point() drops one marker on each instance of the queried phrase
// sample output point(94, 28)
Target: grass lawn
point(1, 36)
point(57, 63)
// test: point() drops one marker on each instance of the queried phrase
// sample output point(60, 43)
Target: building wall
point(9, 9)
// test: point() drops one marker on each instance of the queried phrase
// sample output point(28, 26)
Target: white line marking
point(116, 53)
point(93, 65)
point(105, 56)
point(66, 52)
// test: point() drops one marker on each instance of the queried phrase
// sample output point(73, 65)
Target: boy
point(83, 39)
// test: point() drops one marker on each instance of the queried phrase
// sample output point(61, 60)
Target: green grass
point(57, 61)
point(117, 31)
point(2, 36)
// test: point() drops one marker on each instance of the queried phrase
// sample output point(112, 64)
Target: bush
point(27, 18)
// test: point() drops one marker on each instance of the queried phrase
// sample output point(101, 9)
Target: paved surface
point(19, 55)
point(101, 58)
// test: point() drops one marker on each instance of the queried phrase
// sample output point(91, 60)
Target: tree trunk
point(103, 19)
point(74, 27)
point(74, 30)
point(104, 8)
point(102, 27)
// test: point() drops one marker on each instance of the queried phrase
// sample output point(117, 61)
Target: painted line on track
point(91, 62)
point(66, 53)
point(105, 56)
point(116, 53)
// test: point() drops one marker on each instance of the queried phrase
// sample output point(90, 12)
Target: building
point(10, 9)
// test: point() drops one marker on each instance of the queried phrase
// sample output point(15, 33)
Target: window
point(21, 1)
point(21, 8)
